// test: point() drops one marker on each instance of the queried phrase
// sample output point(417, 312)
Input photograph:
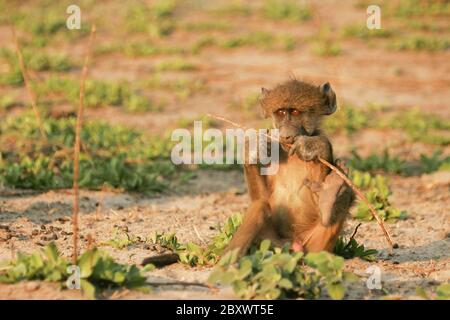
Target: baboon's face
point(297, 107)
point(292, 122)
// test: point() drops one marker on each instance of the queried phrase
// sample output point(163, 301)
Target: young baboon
point(304, 203)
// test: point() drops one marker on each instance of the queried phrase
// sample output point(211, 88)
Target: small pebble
point(32, 286)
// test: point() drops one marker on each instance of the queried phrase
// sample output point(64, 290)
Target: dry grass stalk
point(339, 173)
point(76, 156)
point(30, 92)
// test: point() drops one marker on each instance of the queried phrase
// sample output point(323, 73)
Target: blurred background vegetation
point(159, 65)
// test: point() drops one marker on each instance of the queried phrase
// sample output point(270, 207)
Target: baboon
point(304, 203)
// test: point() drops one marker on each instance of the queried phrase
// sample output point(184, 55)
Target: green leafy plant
point(276, 274)
point(233, 8)
point(435, 162)
point(193, 254)
point(349, 249)
point(98, 94)
point(347, 119)
point(409, 8)
point(374, 162)
point(420, 43)
point(441, 292)
point(113, 155)
point(286, 10)
point(362, 32)
point(155, 19)
point(421, 126)
point(324, 44)
point(98, 271)
point(175, 65)
point(377, 192)
point(122, 239)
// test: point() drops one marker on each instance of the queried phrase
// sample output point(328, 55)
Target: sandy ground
point(362, 74)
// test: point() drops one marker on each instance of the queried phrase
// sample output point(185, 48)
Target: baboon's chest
point(291, 201)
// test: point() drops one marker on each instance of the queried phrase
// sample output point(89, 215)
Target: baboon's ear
point(264, 93)
point(326, 90)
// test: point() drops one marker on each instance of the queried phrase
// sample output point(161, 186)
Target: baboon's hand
point(306, 148)
point(309, 148)
point(335, 196)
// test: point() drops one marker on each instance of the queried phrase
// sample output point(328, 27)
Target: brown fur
point(296, 94)
point(303, 202)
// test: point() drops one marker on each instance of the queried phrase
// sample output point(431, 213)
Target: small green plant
point(441, 292)
point(182, 87)
point(121, 239)
point(259, 39)
point(349, 249)
point(420, 43)
point(195, 255)
point(362, 32)
point(409, 8)
point(422, 126)
point(175, 65)
point(374, 162)
point(202, 43)
point(248, 103)
point(37, 60)
point(6, 101)
point(435, 162)
point(234, 8)
point(323, 44)
point(377, 192)
point(347, 119)
point(208, 26)
point(276, 274)
point(98, 94)
point(98, 271)
point(155, 19)
point(286, 10)
point(115, 155)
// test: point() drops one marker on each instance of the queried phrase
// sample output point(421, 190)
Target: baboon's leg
point(255, 220)
point(322, 238)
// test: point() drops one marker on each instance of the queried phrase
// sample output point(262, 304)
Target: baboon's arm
point(335, 196)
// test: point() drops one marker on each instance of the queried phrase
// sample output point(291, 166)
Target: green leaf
point(443, 291)
point(336, 291)
point(265, 245)
point(88, 289)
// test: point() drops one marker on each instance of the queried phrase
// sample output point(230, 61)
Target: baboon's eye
point(294, 112)
point(281, 112)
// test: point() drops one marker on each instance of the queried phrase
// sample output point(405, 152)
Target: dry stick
point(338, 172)
point(353, 236)
point(76, 155)
point(30, 92)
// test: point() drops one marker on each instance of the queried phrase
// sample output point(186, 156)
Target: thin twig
point(338, 172)
point(76, 156)
point(198, 235)
point(30, 92)
point(362, 197)
point(353, 235)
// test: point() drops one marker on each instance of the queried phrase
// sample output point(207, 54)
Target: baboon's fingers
point(341, 165)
